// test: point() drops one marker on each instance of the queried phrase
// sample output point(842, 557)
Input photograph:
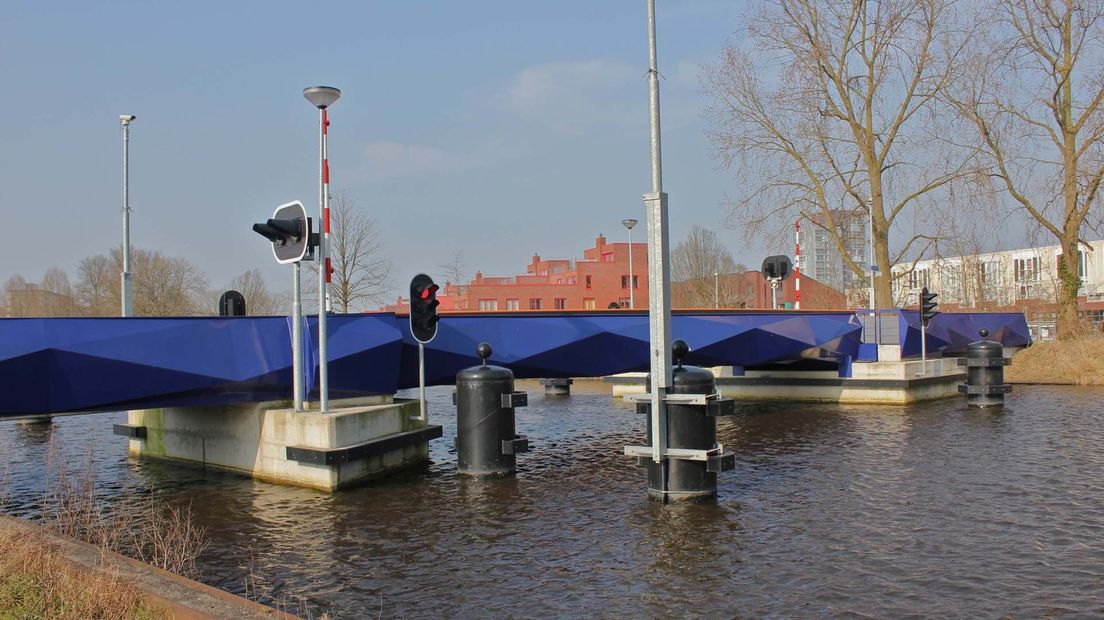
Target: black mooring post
point(984, 362)
point(486, 441)
point(691, 427)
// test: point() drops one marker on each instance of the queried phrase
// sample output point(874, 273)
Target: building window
point(560, 303)
point(635, 281)
point(1025, 270)
point(917, 279)
point(624, 302)
point(512, 304)
point(589, 304)
point(572, 280)
point(607, 257)
point(486, 305)
point(534, 303)
point(588, 281)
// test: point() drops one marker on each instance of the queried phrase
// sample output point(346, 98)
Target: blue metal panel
point(950, 332)
point(57, 365)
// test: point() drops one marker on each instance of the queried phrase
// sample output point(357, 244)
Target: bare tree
point(1033, 93)
point(13, 305)
point(361, 272)
point(53, 296)
point(258, 300)
point(163, 285)
point(455, 270)
point(98, 286)
point(832, 115)
point(698, 262)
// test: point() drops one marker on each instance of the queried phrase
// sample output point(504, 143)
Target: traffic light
point(927, 305)
point(776, 267)
point(423, 308)
point(289, 231)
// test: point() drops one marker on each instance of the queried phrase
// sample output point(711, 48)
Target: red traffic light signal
point(423, 308)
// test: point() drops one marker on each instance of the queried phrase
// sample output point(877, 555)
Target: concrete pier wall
point(883, 382)
point(355, 441)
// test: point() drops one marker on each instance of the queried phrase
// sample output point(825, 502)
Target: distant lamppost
point(873, 265)
point(322, 97)
point(629, 223)
point(716, 290)
point(125, 290)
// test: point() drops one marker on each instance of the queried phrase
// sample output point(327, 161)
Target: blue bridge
point(97, 364)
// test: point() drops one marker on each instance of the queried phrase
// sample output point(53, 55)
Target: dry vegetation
point(1075, 362)
point(141, 526)
point(36, 581)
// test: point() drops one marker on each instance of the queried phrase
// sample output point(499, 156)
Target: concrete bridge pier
point(557, 387)
point(356, 441)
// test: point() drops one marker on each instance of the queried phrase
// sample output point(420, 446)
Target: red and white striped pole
point(326, 202)
point(323, 97)
point(797, 265)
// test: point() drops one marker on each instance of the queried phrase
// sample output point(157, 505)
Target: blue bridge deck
point(88, 364)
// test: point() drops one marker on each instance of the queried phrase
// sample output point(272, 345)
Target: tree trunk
point(1068, 282)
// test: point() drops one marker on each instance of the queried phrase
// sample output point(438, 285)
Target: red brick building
point(749, 290)
point(600, 280)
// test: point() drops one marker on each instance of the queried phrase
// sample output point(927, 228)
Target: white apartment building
point(1026, 278)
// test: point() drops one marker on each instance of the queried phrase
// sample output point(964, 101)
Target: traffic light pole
point(296, 338)
point(422, 415)
point(923, 347)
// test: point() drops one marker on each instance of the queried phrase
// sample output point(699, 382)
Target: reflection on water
point(874, 511)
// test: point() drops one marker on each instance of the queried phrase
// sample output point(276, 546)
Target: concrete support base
point(884, 382)
point(557, 387)
point(355, 441)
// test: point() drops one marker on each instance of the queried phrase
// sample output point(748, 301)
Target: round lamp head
point(322, 97)
point(629, 223)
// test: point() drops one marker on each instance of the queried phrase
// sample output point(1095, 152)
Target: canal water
point(867, 511)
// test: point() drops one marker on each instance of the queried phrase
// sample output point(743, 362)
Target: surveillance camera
point(126, 118)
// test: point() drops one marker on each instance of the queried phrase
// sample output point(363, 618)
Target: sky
point(499, 128)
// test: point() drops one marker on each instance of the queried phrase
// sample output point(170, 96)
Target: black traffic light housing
point(289, 230)
point(776, 267)
point(927, 305)
point(423, 308)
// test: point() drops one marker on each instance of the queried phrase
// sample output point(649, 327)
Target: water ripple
point(860, 512)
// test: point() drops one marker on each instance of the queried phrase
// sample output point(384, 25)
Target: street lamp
point(322, 97)
point(873, 267)
point(716, 290)
point(629, 223)
point(126, 293)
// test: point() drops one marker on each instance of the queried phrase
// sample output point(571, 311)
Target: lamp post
point(126, 294)
point(322, 97)
point(629, 223)
point(659, 270)
point(870, 210)
point(716, 290)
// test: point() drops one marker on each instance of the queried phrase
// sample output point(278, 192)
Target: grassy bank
point(37, 582)
point(1078, 362)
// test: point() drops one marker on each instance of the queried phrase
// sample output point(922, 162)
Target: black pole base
point(687, 482)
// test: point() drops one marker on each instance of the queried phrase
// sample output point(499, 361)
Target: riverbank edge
point(184, 598)
point(1076, 362)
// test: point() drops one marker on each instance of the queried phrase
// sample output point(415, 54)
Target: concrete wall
point(253, 439)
